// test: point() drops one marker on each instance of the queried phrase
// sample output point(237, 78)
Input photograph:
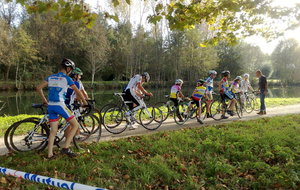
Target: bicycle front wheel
point(28, 135)
point(181, 114)
point(114, 120)
point(151, 118)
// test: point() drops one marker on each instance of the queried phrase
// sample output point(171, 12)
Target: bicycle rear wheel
point(248, 107)
point(165, 109)
point(114, 120)
point(28, 135)
point(216, 110)
point(151, 118)
point(239, 109)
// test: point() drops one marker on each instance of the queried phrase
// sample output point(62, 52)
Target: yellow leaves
point(203, 45)
point(3, 180)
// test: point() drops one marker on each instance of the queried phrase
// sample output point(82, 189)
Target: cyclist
point(198, 94)
point(209, 82)
point(245, 85)
point(57, 86)
point(71, 95)
point(176, 94)
point(134, 92)
point(224, 91)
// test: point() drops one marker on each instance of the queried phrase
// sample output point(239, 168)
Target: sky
point(266, 47)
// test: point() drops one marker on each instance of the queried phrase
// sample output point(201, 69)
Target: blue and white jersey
point(58, 85)
point(71, 95)
point(209, 84)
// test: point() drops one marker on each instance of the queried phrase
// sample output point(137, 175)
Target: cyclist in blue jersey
point(57, 87)
point(71, 95)
point(209, 82)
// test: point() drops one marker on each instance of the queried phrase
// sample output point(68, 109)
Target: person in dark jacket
point(263, 89)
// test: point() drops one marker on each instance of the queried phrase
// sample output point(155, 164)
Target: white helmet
point(147, 76)
point(212, 72)
point(178, 81)
point(238, 78)
point(246, 75)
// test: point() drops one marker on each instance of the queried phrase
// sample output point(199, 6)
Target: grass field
point(256, 154)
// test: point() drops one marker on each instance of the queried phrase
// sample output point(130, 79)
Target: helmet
point(225, 73)
point(212, 72)
point(77, 71)
point(246, 75)
point(200, 81)
point(238, 78)
point(147, 76)
point(178, 81)
point(68, 63)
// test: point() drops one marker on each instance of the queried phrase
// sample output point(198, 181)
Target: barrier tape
point(47, 180)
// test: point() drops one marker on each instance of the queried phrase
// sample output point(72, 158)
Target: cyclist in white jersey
point(134, 92)
point(245, 85)
point(209, 82)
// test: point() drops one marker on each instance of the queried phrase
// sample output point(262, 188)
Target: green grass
point(273, 102)
point(6, 121)
point(256, 154)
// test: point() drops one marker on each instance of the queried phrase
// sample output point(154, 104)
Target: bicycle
point(180, 114)
point(221, 106)
point(115, 122)
point(32, 133)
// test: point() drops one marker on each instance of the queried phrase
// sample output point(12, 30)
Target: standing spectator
point(263, 89)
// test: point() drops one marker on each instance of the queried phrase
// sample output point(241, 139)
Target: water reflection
point(14, 103)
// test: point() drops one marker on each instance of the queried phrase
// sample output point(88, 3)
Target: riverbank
point(256, 154)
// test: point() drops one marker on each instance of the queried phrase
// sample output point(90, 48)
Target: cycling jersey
point(57, 86)
point(234, 87)
point(133, 82)
point(225, 84)
point(209, 84)
point(245, 85)
point(199, 92)
point(174, 91)
point(71, 95)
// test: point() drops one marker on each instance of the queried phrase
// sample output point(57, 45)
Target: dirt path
point(170, 125)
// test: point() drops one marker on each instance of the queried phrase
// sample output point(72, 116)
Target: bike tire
point(216, 110)
point(22, 128)
point(181, 111)
point(163, 106)
point(7, 134)
point(152, 118)
point(114, 120)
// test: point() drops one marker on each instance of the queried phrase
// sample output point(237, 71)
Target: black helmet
point(200, 81)
point(225, 73)
point(68, 63)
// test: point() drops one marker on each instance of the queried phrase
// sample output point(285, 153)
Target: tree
point(96, 49)
point(25, 54)
point(6, 47)
point(285, 61)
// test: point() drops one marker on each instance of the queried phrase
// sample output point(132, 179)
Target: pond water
point(20, 102)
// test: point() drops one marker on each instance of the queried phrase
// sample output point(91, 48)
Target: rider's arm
point(220, 85)
point(79, 95)
point(180, 94)
point(85, 95)
point(141, 88)
point(39, 89)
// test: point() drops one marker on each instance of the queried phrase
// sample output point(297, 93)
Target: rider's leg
point(53, 131)
point(74, 125)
